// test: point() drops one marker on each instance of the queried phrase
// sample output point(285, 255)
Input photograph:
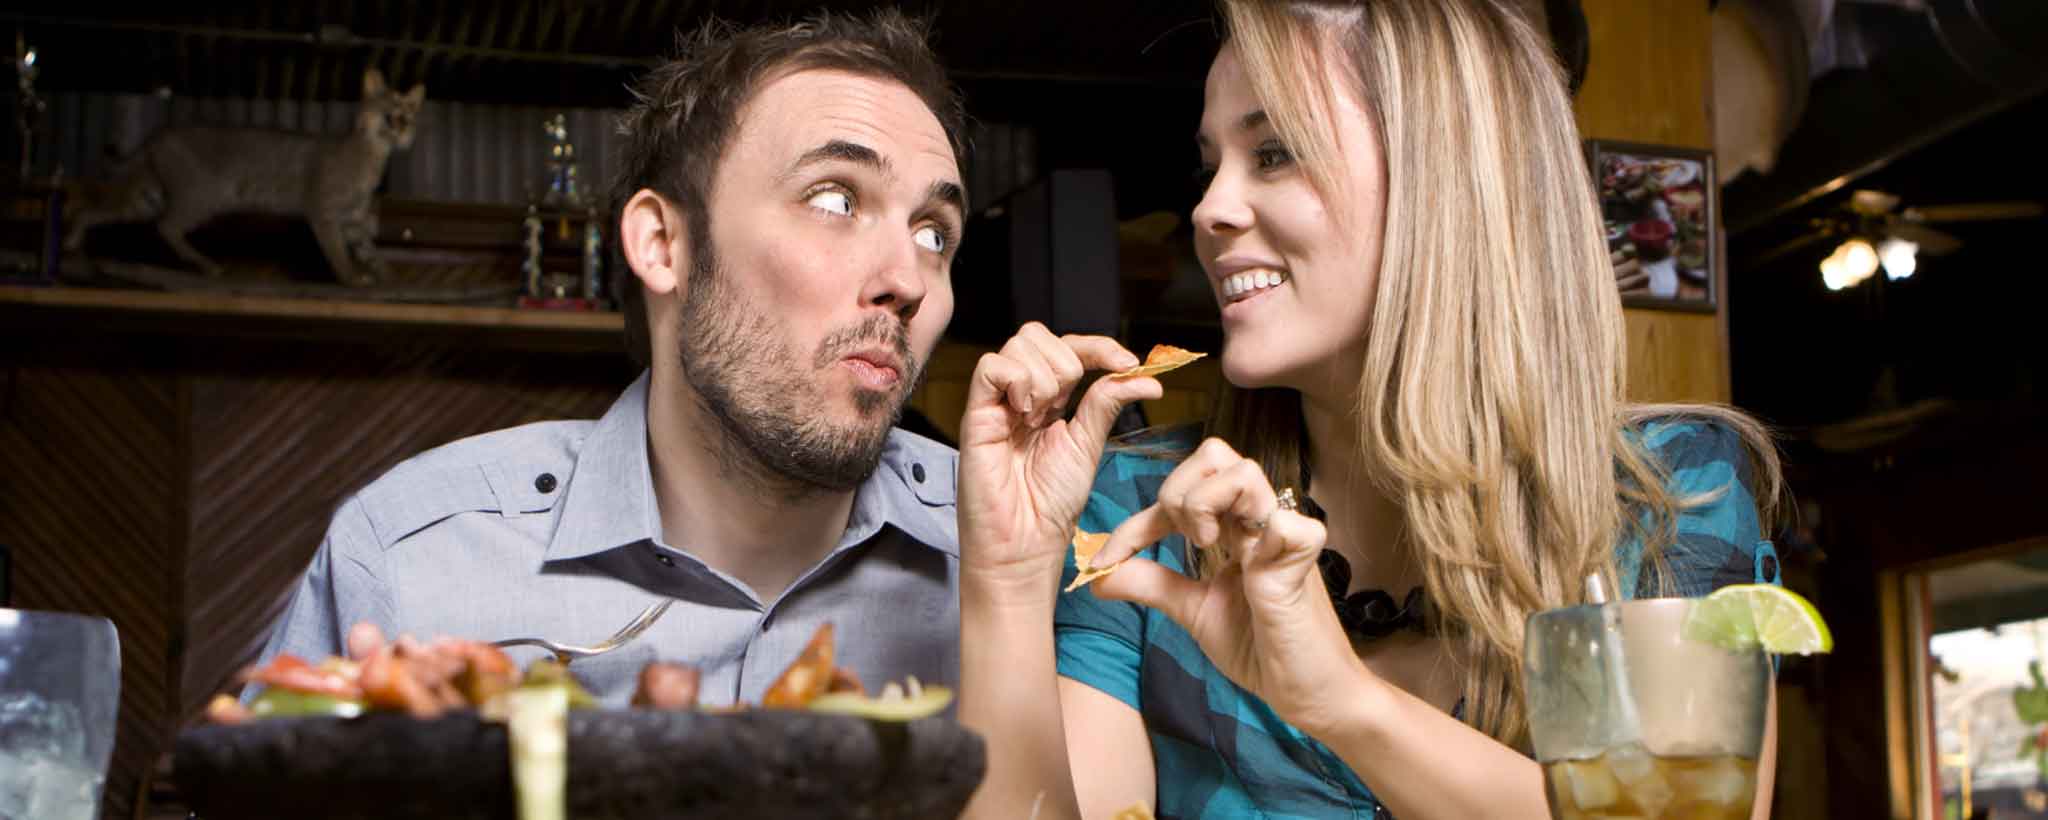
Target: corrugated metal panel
point(462, 152)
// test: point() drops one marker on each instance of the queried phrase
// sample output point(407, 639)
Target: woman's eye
point(1272, 155)
point(832, 201)
point(931, 238)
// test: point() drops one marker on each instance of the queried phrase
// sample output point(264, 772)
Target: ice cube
point(1640, 777)
point(1590, 784)
point(43, 770)
point(35, 786)
point(29, 723)
point(1716, 780)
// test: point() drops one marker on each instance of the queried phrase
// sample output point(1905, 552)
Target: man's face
point(824, 281)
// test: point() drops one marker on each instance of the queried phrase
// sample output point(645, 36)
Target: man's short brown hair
point(687, 108)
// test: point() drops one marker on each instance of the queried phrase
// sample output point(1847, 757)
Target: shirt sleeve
point(340, 588)
point(1100, 643)
point(1719, 540)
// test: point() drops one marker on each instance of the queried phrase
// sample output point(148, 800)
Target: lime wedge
point(1748, 616)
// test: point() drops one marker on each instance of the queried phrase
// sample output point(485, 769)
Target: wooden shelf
point(64, 308)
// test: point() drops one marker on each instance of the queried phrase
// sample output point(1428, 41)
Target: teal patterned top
point(1222, 753)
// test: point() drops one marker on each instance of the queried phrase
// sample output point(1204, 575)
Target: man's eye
point(832, 201)
point(932, 239)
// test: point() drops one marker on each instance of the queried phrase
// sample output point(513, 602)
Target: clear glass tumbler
point(1631, 719)
point(60, 692)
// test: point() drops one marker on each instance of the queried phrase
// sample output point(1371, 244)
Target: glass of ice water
point(1631, 719)
point(60, 691)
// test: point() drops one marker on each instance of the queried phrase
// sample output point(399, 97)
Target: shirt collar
point(609, 501)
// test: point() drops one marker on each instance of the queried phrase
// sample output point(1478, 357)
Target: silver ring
point(1287, 502)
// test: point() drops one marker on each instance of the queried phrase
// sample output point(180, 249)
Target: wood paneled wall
point(91, 504)
point(179, 486)
point(1650, 81)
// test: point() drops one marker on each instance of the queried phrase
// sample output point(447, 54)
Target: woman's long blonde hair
point(1492, 405)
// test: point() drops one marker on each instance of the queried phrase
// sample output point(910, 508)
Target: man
point(790, 204)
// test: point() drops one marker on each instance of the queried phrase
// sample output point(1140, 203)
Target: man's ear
point(652, 238)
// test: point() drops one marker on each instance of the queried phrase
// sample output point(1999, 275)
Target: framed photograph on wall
point(1658, 205)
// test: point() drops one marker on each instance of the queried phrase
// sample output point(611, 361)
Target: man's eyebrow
point(1251, 121)
point(946, 193)
point(841, 151)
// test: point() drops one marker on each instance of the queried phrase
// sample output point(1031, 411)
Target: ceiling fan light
point(1859, 259)
point(1900, 257)
point(1834, 273)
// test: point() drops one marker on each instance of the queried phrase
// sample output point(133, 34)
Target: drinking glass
point(60, 691)
point(1632, 719)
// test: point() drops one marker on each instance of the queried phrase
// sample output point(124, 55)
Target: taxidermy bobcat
point(183, 177)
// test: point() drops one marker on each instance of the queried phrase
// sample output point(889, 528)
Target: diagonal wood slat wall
point(89, 502)
point(179, 487)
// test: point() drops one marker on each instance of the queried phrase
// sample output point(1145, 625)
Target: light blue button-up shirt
point(551, 530)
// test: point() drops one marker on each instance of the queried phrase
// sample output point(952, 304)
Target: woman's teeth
point(1242, 285)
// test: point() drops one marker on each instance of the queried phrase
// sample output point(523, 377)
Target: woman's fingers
point(1137, 532)
point(1212, 457)
point(1214, 512)
point(1148, 584)
point(1288, 538)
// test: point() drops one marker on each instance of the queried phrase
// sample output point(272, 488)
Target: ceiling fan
point(1874, 231)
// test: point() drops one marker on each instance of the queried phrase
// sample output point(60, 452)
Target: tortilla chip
point(1162, 359)
point(808, 677)
point(1086, 545)
point(1139, 811)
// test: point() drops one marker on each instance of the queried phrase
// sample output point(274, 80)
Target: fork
point(566, 653)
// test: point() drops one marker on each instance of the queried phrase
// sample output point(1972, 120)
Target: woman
point(1420, 321)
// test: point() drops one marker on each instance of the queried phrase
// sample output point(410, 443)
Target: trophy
point(559, 227)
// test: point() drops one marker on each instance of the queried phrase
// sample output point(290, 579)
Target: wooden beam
point(577, 11)
point(435, 25)
point(550, 13)
point(519, 20)
point(488, 38)
point(200, 314)
point(625, 27)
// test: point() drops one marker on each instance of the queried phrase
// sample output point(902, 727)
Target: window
point(1983, 702)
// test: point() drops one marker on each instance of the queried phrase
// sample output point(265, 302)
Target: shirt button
point(665, 560)
point(917, 473)
point(545, 483)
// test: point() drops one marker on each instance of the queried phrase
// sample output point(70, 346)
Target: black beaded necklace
point(1368, 614)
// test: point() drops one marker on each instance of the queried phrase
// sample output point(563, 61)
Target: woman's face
point(1294, 277)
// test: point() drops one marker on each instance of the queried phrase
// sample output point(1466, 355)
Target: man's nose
point(896, 283)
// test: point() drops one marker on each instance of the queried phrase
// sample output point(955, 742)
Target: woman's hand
point(1025, 470)
point(1263, 617)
